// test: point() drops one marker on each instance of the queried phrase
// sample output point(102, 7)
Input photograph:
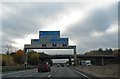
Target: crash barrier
point(12, 68)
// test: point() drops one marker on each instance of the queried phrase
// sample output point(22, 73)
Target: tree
point(8, 60)
point(100, 50)
point(111, 51)
point(33, 58)
point(18, 57)
point(8, 49)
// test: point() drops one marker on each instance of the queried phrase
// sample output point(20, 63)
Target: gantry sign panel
point(50, 39)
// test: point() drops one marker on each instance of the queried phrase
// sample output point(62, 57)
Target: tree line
point(100, 51)
point(17, 58)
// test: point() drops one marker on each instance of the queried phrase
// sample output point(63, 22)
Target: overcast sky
point(88, 25)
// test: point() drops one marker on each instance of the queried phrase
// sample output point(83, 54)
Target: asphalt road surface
point(55, 72)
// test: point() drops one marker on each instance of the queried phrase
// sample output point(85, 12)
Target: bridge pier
point(102, 59)
point(75, 56)
point(70, 61)
point(25, 57)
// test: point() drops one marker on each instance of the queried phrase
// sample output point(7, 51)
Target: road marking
point(82, 74)
point(17, 72)
point(18, 76)
point(12, 73)
point(49, 75)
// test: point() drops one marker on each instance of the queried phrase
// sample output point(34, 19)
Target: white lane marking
point(49, 75)
point(17, 76)
point(17, 72)
point(12, 73)
point(82, 74)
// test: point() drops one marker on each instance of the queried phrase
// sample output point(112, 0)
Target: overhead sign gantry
point(49, 40)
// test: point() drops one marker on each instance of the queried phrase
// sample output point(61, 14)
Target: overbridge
point(29, 46)
point(70, 56)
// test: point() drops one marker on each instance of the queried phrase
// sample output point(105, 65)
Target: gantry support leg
point(25, 57)
point(75, 56)
point(70, 61)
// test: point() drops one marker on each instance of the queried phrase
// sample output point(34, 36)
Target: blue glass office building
point(50, 39)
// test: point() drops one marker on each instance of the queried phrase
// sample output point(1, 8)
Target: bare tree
point(8, 49)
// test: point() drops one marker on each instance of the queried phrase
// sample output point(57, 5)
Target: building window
point(64, 45)
point(54, 42)
point(54, 45)
point(44, 45)
point(64, 42)
point(53, 37)
point(43, 36)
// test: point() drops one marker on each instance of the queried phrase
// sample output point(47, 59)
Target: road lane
point(65, 72)
point(55, 72)
point(27, 73)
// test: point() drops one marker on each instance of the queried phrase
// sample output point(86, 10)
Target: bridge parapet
point(66, 56)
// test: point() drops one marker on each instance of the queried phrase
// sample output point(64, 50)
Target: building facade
point(50, 39)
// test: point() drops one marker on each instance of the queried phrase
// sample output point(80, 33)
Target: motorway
point(55, 72)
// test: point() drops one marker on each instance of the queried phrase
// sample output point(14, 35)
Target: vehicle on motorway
point(58, 65)
point(43, 67)
point(62, 65)
point(67, 65)
point(86, 62)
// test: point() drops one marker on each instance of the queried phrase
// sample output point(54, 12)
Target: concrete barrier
point(100, 71)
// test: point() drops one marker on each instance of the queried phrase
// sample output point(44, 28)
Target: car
point(67, 65)
point(62, 65)
point(43, 67)
point(58, 65)
point(86, 62)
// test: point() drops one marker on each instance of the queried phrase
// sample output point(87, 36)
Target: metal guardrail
point(12, 68)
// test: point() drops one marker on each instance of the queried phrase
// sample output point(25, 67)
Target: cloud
point(98, 29)
point(113, 28)
point(88, 25)
point(22, 19)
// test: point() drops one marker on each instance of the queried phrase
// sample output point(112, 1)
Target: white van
point(86, 62)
